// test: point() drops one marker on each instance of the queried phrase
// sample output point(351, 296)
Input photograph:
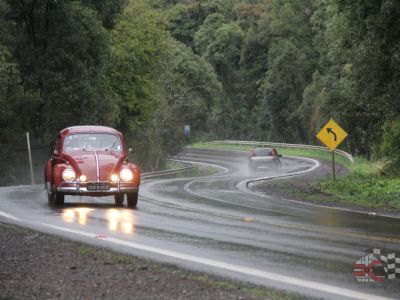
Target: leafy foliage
point(391, 146)
point(255, 69)
point(65, 75)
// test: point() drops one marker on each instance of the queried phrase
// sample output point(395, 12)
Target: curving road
point(212, 223)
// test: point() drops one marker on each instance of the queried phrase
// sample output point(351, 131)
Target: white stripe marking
point(243, 184)
point(224, 170)
point(6, 215)
point(230, 267)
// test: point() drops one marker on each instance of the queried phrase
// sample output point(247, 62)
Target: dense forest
point(271, 70)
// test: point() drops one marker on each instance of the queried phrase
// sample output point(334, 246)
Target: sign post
point(332, 135)
point(30, 158)
point(333, 166)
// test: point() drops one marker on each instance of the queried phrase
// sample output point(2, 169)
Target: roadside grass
point(201, 170)
point(173, 165)
point(198, 170)
point(364, 186)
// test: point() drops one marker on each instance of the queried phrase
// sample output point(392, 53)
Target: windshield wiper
point(112, 145)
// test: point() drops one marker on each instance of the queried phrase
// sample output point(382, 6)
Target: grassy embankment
point(199, 170)
point(364, 186)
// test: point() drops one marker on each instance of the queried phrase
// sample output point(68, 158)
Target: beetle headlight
point(126, 175)
point(68, 175)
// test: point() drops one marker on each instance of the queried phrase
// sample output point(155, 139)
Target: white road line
point(224, 170)
point(187, 188)
point(8, 216)
point(316, 286)
point(243, 184)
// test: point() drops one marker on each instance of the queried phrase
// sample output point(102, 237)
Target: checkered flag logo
point(377, 265)
point(369, 269)
point(390, 261)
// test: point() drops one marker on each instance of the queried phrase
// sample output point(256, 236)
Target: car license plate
point(98, 186)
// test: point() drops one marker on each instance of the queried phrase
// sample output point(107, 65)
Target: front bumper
point(80, 188)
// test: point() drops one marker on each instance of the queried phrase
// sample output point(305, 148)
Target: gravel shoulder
point(41, 266)
point(302, 188)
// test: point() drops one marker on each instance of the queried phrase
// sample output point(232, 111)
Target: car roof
point(89, 129)
point(262, 149)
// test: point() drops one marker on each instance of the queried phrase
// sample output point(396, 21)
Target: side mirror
point(129, 154)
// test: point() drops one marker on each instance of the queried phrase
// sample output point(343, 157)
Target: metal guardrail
point(167, 172)
point(270, 144)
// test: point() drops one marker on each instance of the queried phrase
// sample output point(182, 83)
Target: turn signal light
point(114, 177)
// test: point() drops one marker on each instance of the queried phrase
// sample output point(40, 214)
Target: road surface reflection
point(78, 215)
point(121, 220)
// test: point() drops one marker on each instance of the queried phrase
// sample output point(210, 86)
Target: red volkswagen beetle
point(91, 161)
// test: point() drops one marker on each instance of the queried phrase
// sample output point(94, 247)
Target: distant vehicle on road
point(91, 161)
point(264, 158)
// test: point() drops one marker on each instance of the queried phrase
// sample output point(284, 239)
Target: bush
point(390, 147)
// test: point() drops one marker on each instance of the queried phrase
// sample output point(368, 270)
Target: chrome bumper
point(77, 188)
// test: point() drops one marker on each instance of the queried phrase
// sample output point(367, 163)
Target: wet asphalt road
point(212, 224)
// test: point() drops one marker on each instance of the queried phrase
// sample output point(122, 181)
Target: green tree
point(359, 45)
point(292, 60)
point(390, 148)
point(284, 84)
point(191, 90)
point(108, 10)
point(60, 48)
point(137, 43)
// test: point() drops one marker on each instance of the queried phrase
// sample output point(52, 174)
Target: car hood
point(96, 165)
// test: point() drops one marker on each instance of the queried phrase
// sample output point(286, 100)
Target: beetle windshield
point(92, 141)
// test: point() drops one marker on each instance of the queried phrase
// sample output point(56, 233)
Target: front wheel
point(132, 199)
point(59, 198)
point(50, 197)
point(51, 194)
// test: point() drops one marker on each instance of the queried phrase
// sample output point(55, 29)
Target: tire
point(59, 198)
point(50, 197)
point(119, 199)
point(132, 199)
